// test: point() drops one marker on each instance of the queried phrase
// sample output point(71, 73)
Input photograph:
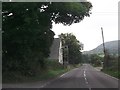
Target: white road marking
point(86, 82)
point(62, 75)
point(85, 77)
point(84, 74)
point(68, 72)
point(57, 78)
point(45, 84)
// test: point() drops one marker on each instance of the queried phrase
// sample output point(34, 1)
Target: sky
point(88, 31)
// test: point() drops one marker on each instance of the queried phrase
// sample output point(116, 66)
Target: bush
point(53, 64)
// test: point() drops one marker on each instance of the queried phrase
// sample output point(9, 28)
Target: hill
point(111, 47)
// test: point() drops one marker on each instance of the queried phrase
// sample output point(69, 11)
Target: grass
point(53, 70)
point(49, 74)
point(114, 73)
point(111, 71)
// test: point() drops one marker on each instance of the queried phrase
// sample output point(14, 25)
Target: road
point(85, 76)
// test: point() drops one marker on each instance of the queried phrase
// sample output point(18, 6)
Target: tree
point(27, 34)
point(96, 59)
point(74, 47)
point(26, 37)
point(85, 58)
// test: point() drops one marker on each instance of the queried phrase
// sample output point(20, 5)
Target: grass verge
point(52, 70)
point(110, 71)
point(114, 73)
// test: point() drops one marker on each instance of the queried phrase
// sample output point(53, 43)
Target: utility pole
point(67, 59)
point(65, 55)
point(104, 64)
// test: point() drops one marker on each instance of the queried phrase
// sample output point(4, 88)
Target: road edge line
point(110, 76)
point(107, 74)
point(45, 84)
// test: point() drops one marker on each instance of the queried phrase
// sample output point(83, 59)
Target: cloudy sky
point(104, 14)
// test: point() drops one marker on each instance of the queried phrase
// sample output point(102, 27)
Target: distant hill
point(112, 48)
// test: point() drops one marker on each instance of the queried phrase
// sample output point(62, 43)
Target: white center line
point(85, 77)
point(84, 74)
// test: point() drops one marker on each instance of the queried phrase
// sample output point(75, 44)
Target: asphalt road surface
point(85, 76)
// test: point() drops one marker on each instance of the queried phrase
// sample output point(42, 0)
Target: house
point(56, 52)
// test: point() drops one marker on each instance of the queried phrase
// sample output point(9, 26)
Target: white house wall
point(60, 53)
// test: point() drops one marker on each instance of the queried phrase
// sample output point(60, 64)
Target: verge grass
point(52, 70)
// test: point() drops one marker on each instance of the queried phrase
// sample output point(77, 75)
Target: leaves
point(74, 47)
point(27, 34)
point(68, 13)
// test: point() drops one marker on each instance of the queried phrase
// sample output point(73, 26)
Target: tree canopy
point(74, 47)
point(27, 30)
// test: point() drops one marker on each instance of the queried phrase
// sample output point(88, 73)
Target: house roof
point(54, 50)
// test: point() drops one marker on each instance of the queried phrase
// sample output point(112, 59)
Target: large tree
point(27, 30)
point(74, 48)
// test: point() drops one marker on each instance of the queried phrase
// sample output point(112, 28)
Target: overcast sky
point(104, 14)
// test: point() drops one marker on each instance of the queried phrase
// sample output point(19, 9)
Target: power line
point(106, 12)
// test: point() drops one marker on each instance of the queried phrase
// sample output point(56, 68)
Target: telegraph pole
point(104, 64)
point(103, 40)
point(65, 55)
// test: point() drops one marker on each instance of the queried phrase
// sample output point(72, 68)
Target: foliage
point(69, 12)
point(112, 67)
point(85, 58)
point(26, 37)
point(27, 34)
point(74, 47)
point(53, 69)
point(96, 60)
